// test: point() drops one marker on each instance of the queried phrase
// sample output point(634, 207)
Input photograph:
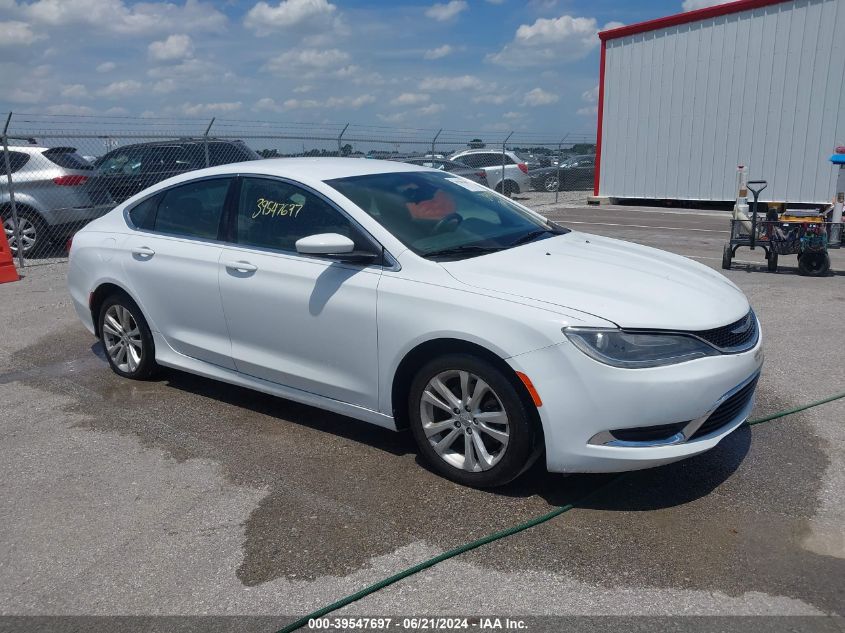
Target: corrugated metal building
point(685, 99)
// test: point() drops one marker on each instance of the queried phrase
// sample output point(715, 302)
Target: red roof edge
point(686, 17)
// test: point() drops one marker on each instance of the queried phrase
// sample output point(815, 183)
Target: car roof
point(312, 169)
point(176, 142)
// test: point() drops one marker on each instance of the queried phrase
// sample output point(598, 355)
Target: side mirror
point(333, 246)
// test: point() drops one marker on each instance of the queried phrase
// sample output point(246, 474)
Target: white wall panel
point(684, 105)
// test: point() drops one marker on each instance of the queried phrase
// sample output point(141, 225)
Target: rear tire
point(34, 231)
point(510, 188)
point(727, 255)
point(126, 338)
point(813, 264)
point(460, 403)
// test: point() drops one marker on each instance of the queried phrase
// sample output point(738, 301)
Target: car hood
point(631, 285)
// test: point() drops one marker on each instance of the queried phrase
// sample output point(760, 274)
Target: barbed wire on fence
point(61, 171)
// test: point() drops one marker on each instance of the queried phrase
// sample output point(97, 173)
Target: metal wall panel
point(684, 105)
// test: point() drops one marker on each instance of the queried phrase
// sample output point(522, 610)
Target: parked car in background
point(56, 190)
point(575, 173)
point(132, 168)
point(515, 170)
point(453, 167)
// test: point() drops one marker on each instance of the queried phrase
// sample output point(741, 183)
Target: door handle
point(245, 267)
point(143, 251)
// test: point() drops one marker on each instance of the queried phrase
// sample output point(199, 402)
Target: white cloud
point(395, 117)
point(349, 102)
point(196, 109)
point(410, 98)
point(298, 104)
point(25, 95)
point(106, 67)
point(588, 111)
point(114, 16)
point(74, 91)
point(296, 60)
point(591, 95)
point(264, 18)
point(539, 97)
point(14, 33)
point(462, 82)
point(437, 53)
point(117, 110)
point(164, 86)
point(550, 40)
point(446, 11)
point(496, 1)
point(266, 104)
point(431, 108)
point(303, 89)
point(495, 99)
point(513, 115)
point(120, 89)
point(174, 47)
point(689, 5)
point(68, 108)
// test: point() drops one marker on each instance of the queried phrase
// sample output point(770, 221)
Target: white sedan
point(412, 298)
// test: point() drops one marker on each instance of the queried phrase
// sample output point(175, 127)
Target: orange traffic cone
point(7, 265)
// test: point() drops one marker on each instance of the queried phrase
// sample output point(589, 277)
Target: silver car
point(56, 192)
point(491, 161)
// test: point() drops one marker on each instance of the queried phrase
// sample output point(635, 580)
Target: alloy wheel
point(28, 231)
point(551, 184)
point(464, 421)
point(122, 338)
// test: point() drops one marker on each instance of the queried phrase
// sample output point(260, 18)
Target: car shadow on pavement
point(290, 411)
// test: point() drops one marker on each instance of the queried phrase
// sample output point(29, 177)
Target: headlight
point(632, 350)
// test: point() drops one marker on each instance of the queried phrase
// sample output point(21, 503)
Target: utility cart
point(805, 233)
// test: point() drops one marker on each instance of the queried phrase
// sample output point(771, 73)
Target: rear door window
point(193, 209)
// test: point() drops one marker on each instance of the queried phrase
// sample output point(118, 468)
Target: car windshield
point(439, 215)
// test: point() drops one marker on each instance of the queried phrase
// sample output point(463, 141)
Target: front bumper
point(584, 401)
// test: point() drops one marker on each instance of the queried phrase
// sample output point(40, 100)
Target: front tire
point(126, 338)
point(470, 422)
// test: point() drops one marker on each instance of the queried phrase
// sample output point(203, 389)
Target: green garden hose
point(495, 536)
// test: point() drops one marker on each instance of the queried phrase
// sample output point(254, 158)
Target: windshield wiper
point(467, 249)
point(533, 235)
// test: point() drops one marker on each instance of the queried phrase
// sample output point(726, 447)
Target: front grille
point(726, 339)
point(728, 410)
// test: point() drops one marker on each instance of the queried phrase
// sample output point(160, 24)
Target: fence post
point(504, 143)
point(339, 139)
point(205, 141)
point(559, 152)
point(8, 169)
point(434, 140)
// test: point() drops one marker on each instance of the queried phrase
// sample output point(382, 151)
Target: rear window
point(143, 214)
point(225, 153)
point(67, 157)
point(16, 161)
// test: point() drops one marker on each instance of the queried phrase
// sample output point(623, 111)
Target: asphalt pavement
point(182, 496)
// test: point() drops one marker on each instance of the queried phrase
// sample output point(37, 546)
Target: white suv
point(515, 170)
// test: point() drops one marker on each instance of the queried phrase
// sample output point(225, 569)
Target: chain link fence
point(61, 172)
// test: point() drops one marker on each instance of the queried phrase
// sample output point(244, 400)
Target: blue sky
point(460, 64)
